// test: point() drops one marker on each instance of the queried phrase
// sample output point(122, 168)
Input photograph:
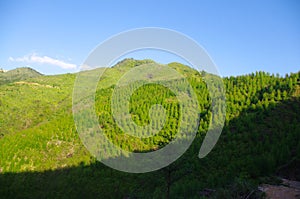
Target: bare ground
point(287, 190)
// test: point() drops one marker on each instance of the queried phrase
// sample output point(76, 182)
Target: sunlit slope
point(32, 102)
point(38, 131)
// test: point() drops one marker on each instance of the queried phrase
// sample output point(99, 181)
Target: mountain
point(18, 74)
point(43, 157)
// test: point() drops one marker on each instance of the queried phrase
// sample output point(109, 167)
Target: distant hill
point(18, 75)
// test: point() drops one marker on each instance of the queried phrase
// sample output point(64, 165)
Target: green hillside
point(41, 155)
point(18, 74)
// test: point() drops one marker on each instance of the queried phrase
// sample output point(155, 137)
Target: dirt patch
point(287, 190)
point(35, 84)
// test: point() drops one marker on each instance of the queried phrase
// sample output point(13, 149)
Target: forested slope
point(43, 157)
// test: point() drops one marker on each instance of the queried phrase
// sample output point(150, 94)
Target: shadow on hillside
point(259, 142)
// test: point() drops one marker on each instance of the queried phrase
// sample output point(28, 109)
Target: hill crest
point(18, 74)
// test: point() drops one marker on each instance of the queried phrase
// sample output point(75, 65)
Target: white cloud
point(33, 58)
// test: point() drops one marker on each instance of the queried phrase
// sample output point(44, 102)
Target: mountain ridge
point(128, 63)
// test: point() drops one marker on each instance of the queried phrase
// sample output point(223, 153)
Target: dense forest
point(41, 155)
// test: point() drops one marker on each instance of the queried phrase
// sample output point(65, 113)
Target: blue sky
point(241, 36)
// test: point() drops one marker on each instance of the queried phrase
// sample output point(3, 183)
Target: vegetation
point(17, 75)
point(41, 155)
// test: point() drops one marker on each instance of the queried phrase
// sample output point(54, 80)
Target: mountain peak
point(130, 62)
